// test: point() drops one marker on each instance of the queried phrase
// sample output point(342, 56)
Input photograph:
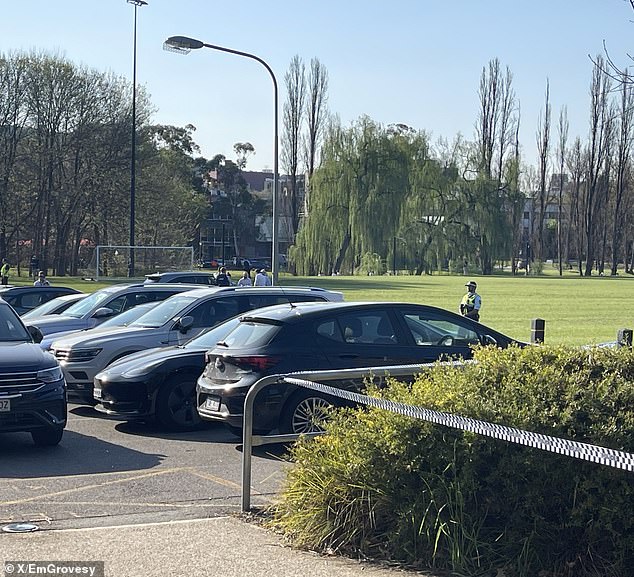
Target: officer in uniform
point(471, 302)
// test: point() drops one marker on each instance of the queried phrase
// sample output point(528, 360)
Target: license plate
point(96, 393)
point(5, 405)
point(212, 404)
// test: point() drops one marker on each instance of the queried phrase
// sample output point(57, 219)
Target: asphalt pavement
point(220, 546)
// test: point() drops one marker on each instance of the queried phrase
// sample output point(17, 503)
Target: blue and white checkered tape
point(584, 451)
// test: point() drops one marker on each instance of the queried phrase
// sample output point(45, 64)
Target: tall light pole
point(136, 4)
point(184, 45)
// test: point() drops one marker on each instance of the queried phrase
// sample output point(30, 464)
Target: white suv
point(173, 322)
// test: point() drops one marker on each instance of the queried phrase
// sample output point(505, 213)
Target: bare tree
point(316, 118)
point(295, 80)
point(561, 155)
point(597, 150)
point(623, 165)
point(543, 153)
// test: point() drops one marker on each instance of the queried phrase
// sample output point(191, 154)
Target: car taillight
point(254, 362)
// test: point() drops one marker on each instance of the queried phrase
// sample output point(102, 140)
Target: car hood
point(56, 323)
point(97, 338)
point(149, 357)
point(24, 356)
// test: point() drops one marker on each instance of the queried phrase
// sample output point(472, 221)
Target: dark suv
point(32, 386)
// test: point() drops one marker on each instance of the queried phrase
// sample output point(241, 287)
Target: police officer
point(471, 302)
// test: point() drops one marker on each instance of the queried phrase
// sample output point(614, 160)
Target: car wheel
point(304, 412)
point(48, 437)
point(176, 405)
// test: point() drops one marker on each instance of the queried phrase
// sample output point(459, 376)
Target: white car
point(173, 322)
point(104, 304)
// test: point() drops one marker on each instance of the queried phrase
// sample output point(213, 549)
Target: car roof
point(202, 291)
point(20, 289)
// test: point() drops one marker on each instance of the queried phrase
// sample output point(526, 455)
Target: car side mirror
point(489, 340)
point(36, 334)
point(103, 312)
point(185, 323)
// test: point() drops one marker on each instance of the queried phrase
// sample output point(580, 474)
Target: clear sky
point(415, 62)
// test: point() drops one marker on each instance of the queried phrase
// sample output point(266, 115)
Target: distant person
point(245, 280)
point(34, 266)
point(262, 279)
point(223, 278)
point(471, 302)
point(41, 279)
point(4, 272)
point(246, 266)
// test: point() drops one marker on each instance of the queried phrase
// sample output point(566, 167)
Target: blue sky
point(411, 61)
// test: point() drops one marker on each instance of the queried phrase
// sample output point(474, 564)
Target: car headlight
point(50, 375)
point(81, 355)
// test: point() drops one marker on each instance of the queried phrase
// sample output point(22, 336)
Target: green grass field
point(576, 310)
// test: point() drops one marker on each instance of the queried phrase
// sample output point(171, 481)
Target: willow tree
point(357, 193)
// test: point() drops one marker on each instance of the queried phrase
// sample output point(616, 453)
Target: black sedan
point(158, 384)
point(25, 298)
point(280, 340)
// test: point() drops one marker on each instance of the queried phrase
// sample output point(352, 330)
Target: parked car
point(32, 387)
point(189, 277)
point(318, 337)
point(103, 304)
point(55, 306)
point(25, 298)
point(121, 320)
point(161, 383)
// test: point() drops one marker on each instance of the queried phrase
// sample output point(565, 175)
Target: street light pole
point(131, 267)
point(183, 45)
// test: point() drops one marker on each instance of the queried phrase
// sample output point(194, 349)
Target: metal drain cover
point(20, 528)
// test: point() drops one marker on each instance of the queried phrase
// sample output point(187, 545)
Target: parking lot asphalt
point(220, 546)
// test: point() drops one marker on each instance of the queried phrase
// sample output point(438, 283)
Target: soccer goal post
point(113, 260)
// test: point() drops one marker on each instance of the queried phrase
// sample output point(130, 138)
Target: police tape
point(584, 451)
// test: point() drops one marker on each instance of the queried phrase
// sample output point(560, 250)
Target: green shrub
point(387, 486)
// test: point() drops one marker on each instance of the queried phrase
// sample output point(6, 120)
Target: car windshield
point(127, 317)
point(11, 329)
point(164, 312)
point(210, 338)
point(85, 306)
point(43, 309)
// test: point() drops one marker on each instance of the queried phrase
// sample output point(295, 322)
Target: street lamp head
point(181, 44)
point(137, 2)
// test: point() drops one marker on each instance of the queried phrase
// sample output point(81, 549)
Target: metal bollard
point(624, 338)
point(537, 330)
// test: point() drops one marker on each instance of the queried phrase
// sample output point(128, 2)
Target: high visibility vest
point(468, 301)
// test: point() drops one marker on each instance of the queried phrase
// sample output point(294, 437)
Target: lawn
point(576, 310)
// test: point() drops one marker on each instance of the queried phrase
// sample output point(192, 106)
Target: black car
point(25, 298)
point(188, 277)
point(161, 383)
point(279, 340)
point(32, 386)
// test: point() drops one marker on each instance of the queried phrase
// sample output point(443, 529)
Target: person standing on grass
point(245, 280)
point(262, 279)
point(471, 302)
point(4, 272)
point(41, 279)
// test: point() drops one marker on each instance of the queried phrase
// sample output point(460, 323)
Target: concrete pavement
point(214, 547)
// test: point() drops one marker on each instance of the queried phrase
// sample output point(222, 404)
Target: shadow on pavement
point(77, 454)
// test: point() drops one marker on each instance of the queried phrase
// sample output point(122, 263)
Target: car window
point(30, 301)
point(91, 302)
point(329, 329)
point(367, 327)
point(249, 333)
point(431, 330)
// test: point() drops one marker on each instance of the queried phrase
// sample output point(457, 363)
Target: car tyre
point(176, 405)
point(305, 412)
point(48, 437)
